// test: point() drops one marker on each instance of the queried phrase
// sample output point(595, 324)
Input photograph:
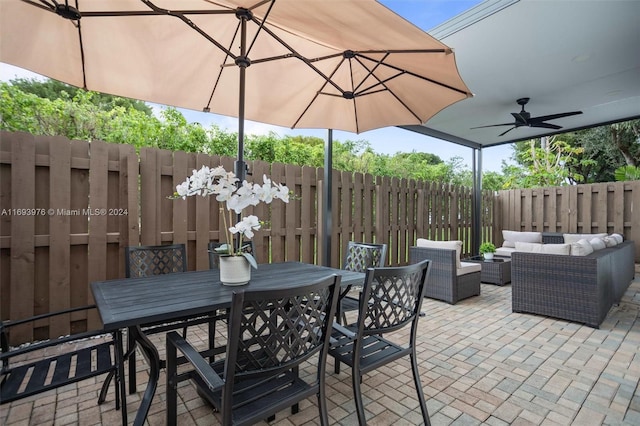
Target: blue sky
point(425, 14)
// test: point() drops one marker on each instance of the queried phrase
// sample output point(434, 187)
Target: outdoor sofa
point(578, 288)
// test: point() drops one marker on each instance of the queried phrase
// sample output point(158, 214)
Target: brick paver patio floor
point(480, 364)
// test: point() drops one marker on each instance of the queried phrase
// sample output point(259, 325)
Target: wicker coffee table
point(496, 271)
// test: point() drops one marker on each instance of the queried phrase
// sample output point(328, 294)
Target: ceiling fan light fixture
point(523, 118)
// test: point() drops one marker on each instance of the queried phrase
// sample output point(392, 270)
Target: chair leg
point(131, 357)
point(416, 380)
point(212, 338)
point(322, 399)
point(105, 389)
point(121, 387)
point(172, 385)
point(356, 380)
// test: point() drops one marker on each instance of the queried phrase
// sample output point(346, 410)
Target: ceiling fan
point(523, 118)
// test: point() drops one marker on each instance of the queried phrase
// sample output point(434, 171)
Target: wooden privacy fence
point(70, 207)
point(584, 209)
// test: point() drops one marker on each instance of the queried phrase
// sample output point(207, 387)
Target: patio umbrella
point(351, 65)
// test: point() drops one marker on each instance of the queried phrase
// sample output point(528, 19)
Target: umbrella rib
point(300, 57)
point(353, 99)
point(183, 18)
point(382, 83)
point(438, 83)
point(51, 8)
point(46, 6)
point(84, 74)
point(215, 86)
point(295, 123)
point(370, 73)
point(260, 23)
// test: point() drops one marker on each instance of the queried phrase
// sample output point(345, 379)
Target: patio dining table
point(132, 302)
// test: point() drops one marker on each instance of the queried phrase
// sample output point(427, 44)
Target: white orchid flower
point(246, 226)
point(224, 185)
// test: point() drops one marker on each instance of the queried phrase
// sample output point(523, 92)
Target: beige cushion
point(450, 245)
point(573, 238)
point(610, 241)
point(581, 248)
point(511, 237)
point(543, 248)
point(468, 268)
point(505, 251)
point(619, 238)
point(597, 243)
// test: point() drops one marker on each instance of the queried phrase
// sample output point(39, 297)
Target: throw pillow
point(573, 238)
point(597, 244)
point(617, 237)
point(543, 248)
point(581, 248)
point(610, 241)
point(450, 245)
point(511, 237)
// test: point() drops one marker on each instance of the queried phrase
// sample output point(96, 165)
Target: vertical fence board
point(6, 142)
point(59, 233)
point(618, 207)
point(291, 213)
point(633, 232)
point(307, 212)
point(179, 206)
point(22, 247)
point(149, 195)
point(98, 170)
point(129, 226)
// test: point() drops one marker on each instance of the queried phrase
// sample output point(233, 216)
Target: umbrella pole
point(326, 196)
point(242, 61)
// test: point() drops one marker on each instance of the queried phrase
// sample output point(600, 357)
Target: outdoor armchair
point(28, 370)
point(451, 279)
point(271, 333)
point(392, 298)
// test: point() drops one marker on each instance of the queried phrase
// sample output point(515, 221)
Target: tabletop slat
point(134, 301)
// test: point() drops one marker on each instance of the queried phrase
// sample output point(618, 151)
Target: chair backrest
point(361, 256)
point(143, 261)
point(393, 298)
point(273, 331)
point(214, 262)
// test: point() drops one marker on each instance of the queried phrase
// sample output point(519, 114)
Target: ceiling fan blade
point(546, 125)
point(520, 119)
point(553, 116)
point(492, 125)
point(507, 131)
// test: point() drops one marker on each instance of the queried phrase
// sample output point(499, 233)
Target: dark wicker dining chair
point(271, 333)
point(392, 298)
point(358, 258)
point(144, 261)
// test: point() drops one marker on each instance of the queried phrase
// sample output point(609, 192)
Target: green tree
point(54, 89)
point(53, 108)
point(627, 173)
point(548, 161)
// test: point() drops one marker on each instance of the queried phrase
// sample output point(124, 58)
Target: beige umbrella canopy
point(351, 65)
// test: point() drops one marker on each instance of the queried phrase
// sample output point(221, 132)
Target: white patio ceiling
point(566, 55)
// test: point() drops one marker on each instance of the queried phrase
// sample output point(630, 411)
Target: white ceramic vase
point(488, 256)
point(234, 270)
